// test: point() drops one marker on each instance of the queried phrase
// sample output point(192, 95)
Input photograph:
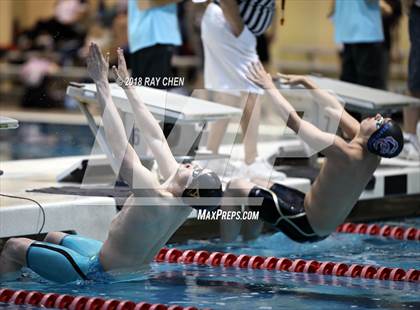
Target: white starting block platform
point(188, 114)
point(8, 123)
point(90, 216)
point(395, 177)
point(365, 99)
point(161, 103)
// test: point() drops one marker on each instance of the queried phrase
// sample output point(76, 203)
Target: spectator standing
point(358, 26)
point(228, 31)
point(412, 115)
point(153, 32)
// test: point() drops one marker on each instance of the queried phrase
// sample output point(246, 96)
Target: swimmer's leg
point(251, 229)
point(56, 263)
point(82, 245)
point(55, 237)
point(250, 122)
point(13, 257)
point(230, 229)
point(217, 129)
point(262, 182)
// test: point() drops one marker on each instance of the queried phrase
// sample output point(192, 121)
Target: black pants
point(364, 64)
point(414, 59)
point(153, 61)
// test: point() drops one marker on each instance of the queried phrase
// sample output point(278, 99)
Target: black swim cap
point(387, 141)
point(204, 188)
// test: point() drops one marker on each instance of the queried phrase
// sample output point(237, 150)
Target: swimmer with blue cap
point(148, 218)
point(348, 166)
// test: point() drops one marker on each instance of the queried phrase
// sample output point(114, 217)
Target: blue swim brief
point(76, 258)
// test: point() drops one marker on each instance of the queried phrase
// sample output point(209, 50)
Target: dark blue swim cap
point(387, 141)
point(204, 190)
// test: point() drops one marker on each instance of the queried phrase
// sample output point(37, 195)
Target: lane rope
point(214, 259)
point(388, 231)
point(64, 301)
point(339, 269)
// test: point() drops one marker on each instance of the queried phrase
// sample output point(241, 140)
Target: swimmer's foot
point(262, 169)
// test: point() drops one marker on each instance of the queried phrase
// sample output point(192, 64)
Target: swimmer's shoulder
point(360, 156)
point(353, 154)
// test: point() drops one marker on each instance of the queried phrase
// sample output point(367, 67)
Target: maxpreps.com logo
point(205, 215)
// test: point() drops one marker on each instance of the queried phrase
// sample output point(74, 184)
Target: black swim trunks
point(283, 207)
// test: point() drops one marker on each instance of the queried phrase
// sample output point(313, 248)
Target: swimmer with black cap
point(347, 168)
point(149, 217)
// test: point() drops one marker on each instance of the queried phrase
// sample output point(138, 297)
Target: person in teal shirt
point(153, 32)
point(358, 26)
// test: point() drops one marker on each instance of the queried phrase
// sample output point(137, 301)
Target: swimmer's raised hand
point(97, 64)
point(121, 73)
point(294, 80)
point(258, 75)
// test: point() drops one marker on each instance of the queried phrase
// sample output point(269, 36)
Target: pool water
point(42, 140)
point(230, 288)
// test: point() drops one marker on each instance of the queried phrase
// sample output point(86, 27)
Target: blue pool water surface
point(230, 288)
point(42, 140)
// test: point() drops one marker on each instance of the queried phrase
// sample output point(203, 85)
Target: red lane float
point(64, 301)
point(228, 259)
point(393, 232)
point(285, 264)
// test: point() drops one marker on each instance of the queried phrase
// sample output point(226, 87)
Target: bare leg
point(13, 257)
point(218, 128)
point(55, 237)
point(411, 117)
point(216, 134)
point(230, 229)
point(250, 122)
point(251, 229)
point(262, 182)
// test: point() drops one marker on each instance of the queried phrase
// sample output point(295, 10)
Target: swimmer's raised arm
point(123, 153)
point(309, 133)
point(149, 127)
point(347, 123)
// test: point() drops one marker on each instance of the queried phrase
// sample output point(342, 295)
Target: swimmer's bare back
point(337, 188)
point(139, 231)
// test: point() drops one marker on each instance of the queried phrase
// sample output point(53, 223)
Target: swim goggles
point(193, 192)
point(379, 122)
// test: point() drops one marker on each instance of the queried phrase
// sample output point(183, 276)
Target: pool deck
point(90, 216)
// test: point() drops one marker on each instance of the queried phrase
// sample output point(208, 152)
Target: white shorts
point(226, 57)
